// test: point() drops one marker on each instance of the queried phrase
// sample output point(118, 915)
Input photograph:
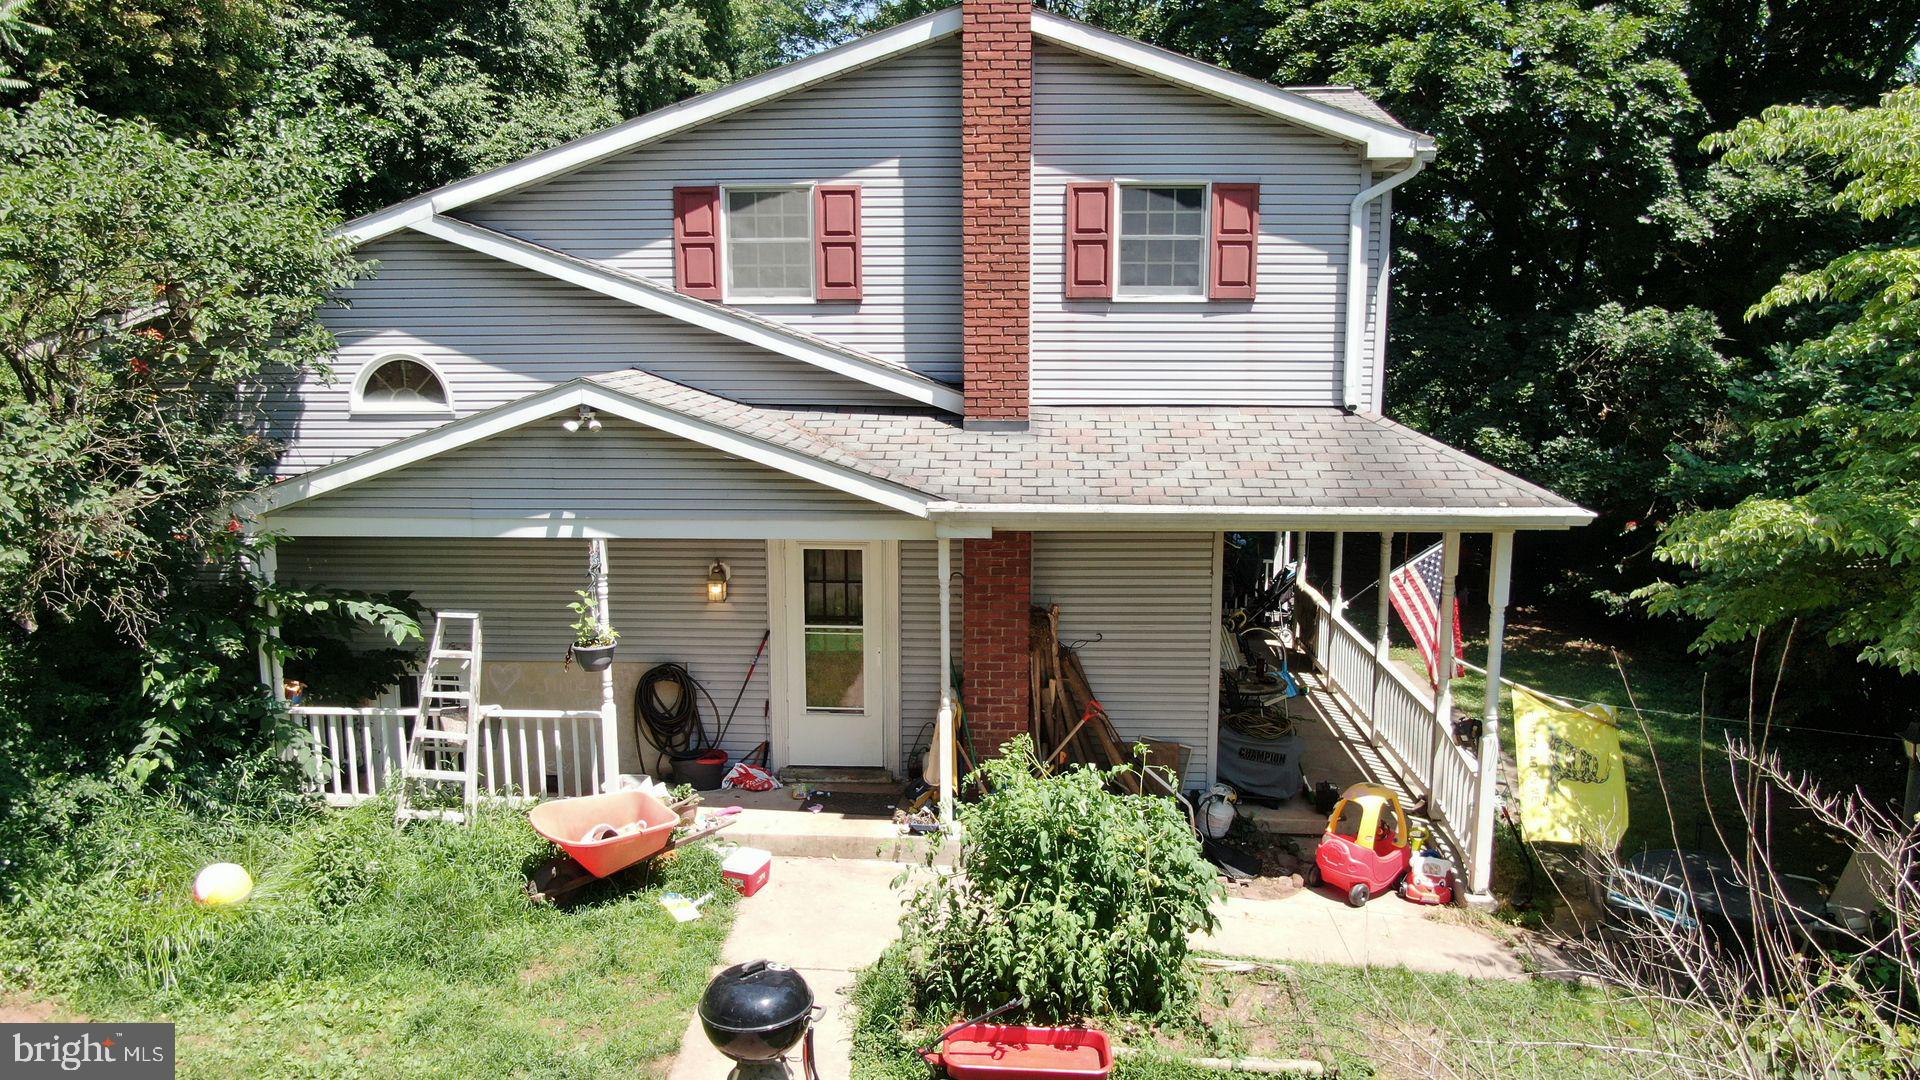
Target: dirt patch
point(1276, 862)
point(18, 1008)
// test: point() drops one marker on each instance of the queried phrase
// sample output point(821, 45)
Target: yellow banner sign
point(1573, 785)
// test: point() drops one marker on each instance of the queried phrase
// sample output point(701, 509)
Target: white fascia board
point(296, 522)
point(448, 437)
point(658, 124)
point(708, 316)
point(1123, 516)
point(1379, 142)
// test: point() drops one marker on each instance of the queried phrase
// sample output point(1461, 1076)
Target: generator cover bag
point(1265, 768)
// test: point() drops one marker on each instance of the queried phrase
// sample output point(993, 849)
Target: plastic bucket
point(703, 769)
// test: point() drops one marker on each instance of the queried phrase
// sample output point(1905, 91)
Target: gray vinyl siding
point(541, 473)
point(497, 333)
point(920, 640)
point(893, 128)
point(1096, 122)
point(657, 595)
point(1148, 599)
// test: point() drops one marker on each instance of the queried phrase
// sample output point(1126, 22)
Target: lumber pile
point(1068, 724)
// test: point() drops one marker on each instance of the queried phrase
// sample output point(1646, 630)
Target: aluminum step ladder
point(441, 750)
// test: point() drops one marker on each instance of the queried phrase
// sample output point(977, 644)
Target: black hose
point(672, 727)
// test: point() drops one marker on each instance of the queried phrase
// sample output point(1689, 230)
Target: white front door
point(833, 625)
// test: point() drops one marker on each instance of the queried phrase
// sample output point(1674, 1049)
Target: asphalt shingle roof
point(1224, 456)
point(1347, 99)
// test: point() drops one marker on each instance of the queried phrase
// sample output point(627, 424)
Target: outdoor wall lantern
point(588, 420)
point(717, 577)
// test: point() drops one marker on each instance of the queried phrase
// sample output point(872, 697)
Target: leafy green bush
point(1074, 896)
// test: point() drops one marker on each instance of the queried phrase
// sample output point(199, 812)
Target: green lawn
point(1666, 739)
point(366, 951)
point(1381, 1022)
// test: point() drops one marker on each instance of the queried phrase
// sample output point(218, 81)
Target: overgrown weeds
point(373, 950)
point(1074, 897)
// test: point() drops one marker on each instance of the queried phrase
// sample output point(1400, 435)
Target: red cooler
point(746, 869)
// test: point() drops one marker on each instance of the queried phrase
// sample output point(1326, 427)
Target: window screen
point(1163, 236)
point(769, 243)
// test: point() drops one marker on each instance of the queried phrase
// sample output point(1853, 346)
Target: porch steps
point(864, 781)
point(776, 822)
point(444, 754)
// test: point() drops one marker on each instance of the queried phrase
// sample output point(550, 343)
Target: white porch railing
point(525, 754)
point(1397, 715)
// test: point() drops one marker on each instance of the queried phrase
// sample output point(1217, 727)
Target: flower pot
point(593, 657)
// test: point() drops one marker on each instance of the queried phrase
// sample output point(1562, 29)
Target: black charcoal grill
point(759, 1011)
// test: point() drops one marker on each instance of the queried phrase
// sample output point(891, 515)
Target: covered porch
point(934, 539)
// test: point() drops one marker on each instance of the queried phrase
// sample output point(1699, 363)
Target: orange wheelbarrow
point(605, 834)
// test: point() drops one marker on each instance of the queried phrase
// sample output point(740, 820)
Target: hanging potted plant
point(593, 640)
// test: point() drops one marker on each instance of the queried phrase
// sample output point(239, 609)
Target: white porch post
point(1382, 653)
point(270, 673)
point(1336, 594)
point(1481, 878)
point(1443, 661)
point(609, 713)
point(943, 723)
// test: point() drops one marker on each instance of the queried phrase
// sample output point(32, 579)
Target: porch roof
point(1133, 459)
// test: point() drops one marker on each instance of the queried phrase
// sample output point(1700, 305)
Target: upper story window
point(769, 243)
point(400, 384)
point(1163, 240)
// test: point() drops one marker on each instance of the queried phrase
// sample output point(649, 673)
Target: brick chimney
point(996, 172)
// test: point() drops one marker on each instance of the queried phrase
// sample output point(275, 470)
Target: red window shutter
point(836, 242)
point(1236, 241)
point(1089, 241)
point(696, 241)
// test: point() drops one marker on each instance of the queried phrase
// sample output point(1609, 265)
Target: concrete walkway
point(1315, 926)
point(828, 918)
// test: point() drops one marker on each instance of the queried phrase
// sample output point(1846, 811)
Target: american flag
point(1415, 590)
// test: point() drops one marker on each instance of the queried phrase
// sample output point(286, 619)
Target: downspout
point(1352, 353)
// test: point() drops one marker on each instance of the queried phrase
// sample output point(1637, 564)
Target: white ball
point(222, 884)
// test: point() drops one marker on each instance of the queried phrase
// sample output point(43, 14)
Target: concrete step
point(798, 834)
point(869, 781)
point(1295, 817)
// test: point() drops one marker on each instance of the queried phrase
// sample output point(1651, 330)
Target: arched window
point(401, 383)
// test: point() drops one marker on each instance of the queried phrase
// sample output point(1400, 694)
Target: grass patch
point(1692, 758)
point(365, 950)
point(1386, 1022)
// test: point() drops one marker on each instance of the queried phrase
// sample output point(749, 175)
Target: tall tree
point(1834, 541)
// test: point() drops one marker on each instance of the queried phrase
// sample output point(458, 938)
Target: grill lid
point(758, 995)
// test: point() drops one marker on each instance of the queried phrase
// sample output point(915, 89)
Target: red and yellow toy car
point(1365, 851)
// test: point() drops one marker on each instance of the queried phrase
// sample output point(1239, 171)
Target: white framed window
point(401, 383)
point(1163, 237)
point(769, 237)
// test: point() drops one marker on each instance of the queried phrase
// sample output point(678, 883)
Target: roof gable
point(798, 456)
point(1333, 115)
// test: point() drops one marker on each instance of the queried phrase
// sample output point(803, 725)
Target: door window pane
point(834, 627)
point(1163, 232)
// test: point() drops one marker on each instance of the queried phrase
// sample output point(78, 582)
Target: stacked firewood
point(1068, 724)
